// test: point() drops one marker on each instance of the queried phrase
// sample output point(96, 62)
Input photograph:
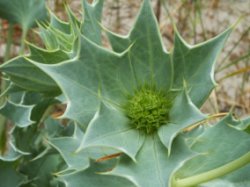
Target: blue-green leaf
point(93, 177)
point(195, 65)
point(10, 152)
point(218, 145)
point(19, 114)
point(153, 166)
point(36, 80)
point(183, 114)
point(9, 176)
point(148, 58)
point(109, 128)
point(92, 18)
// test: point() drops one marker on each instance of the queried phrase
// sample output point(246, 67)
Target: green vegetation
point(132, 116)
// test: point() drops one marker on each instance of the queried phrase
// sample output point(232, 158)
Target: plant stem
point(239, 71)
point(213, 174)
point(8, 42)
point(210, 117)
point(2, 134)
point(22, 47)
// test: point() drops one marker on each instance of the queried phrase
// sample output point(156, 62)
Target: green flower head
point(148, 108)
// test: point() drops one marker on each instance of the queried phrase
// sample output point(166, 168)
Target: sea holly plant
point(133, 116)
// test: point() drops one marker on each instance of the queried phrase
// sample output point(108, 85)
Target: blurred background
point(196, 20)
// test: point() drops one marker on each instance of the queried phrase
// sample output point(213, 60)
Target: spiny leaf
point(11, 153)
point(82, 88)
point(195, 65)
point(58, 34)
point(37, 80)
point(15, 94)
point(218, 145)
point(182, 115)
point(47, 57)
point(9, 176)
point(40, 171)
point(56, 23)
point(55, 129)
point(93, 177)
point(245, 124)
point(55, 34)
point(92, 17)
point(76, 158)
point(67, 147)
point(109, 128)
point(54, 38)
point(32, 139)
point(149, 60)
point(19, 114)
point(37, 102)
point(41, 105)
point(153, 166)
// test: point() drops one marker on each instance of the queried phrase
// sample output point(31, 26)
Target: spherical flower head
point(148, 109)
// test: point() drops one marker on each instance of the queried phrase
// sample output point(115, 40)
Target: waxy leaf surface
point(153, 166)
point(179, 118)
point(9, 176)
point(113, 131)
point(36, 80)
point(195, 65)
point(93, 177)
point(68, 146)
point(19, 114)
point(239, 178)
point(92, 17)
point(218, 145)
